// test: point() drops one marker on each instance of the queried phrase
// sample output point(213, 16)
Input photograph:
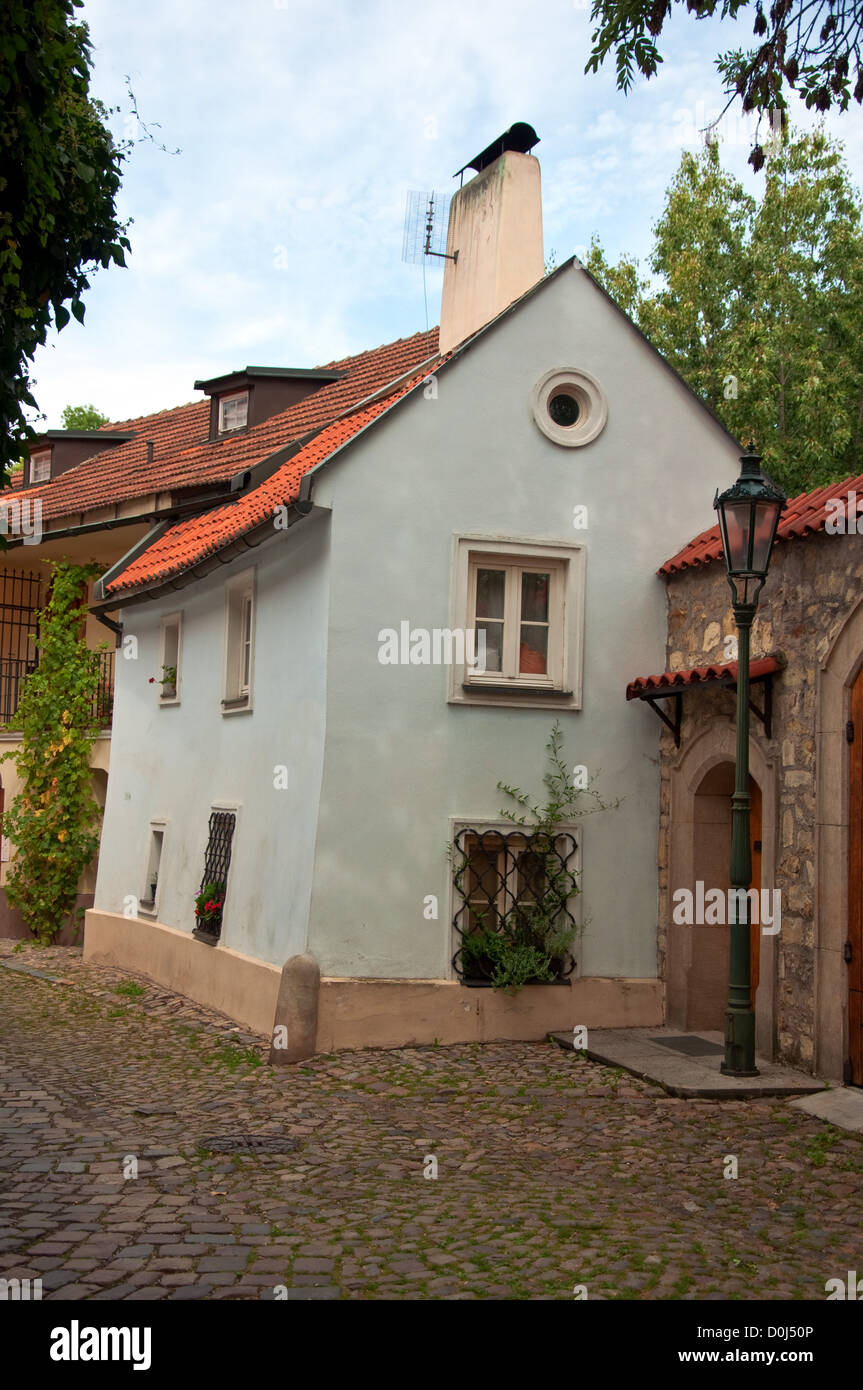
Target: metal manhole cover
point(250, 1143)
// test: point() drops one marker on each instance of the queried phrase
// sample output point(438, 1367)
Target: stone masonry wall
point(812, 586)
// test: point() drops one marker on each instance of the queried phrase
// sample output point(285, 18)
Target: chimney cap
point(520, 137)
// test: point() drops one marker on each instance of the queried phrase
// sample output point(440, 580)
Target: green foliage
point(530, 942)
point(759, 304)
point(59, 177)
point(805, 46)
point(83, 417)
point(131, 989)
point(209, 904)
point(53, 821)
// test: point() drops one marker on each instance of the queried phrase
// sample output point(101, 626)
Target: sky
point(274, 237)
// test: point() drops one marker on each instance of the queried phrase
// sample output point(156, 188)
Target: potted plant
point(168, 683)
point(208, 908)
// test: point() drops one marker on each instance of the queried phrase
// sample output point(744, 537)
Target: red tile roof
point(189, 542)
point(803, 516)
point(645, 686)
point(184, 457)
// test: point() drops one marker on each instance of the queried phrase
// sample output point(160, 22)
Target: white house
point(522, 486)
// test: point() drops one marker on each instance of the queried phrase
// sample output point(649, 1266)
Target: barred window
point(210, 902)
point(513, 889)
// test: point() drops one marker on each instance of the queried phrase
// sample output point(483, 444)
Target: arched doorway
point(702, 1002)
point(699, 851)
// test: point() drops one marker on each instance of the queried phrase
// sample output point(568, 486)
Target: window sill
point(530, 984)
point(147, 907)
point(168, 700)
point(513, 688)
point(241, 705)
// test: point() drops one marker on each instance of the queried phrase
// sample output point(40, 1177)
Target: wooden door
point(755, 850)
point(854, 942)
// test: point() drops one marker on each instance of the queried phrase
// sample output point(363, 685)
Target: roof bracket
point(675, 723)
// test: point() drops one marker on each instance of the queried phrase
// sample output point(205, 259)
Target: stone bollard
point(295, 1025)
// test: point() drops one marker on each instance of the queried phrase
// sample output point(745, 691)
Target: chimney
point(494, 242)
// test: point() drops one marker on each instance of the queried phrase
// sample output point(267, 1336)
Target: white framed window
point(149, 900)
point(169, 660)
point(233, 412)
point(40, 466)
point(239, 642)
point(525, 602)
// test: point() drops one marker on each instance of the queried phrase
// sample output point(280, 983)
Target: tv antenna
point(425, 233)
point(426, 222)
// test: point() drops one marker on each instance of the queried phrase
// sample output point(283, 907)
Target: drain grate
point(250, 1143)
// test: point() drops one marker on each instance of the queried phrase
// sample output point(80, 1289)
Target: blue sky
point(275, 236)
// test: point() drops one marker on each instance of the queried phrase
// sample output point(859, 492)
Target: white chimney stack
point(495, 235)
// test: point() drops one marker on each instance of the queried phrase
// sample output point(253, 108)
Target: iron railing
point(14, 672)
point(516, 885)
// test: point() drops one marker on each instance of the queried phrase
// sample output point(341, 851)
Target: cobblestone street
point(552, 1172)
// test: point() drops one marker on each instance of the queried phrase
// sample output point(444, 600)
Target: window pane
point(493, 644)
point(534, 598)
point(533, 651)
point(490, 585)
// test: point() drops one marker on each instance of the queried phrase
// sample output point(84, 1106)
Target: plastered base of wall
point(239, 986)
point(397, 1013)
point(357, 1013)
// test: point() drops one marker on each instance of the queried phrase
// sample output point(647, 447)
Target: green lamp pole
point(748, 517)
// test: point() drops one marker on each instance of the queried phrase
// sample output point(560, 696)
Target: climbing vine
point(53, 821)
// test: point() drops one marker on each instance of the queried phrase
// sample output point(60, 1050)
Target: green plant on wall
point(53, 821)
point(529, 939)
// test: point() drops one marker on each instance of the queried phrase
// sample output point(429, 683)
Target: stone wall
point(814, 584)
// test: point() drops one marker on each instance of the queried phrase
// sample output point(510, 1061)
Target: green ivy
point(53, 822)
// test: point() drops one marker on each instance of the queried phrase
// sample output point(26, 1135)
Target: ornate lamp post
point(748, 517)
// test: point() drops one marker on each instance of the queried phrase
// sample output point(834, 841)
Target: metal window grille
point(515, 885)
point(217, 861)
point(104, 701)
point(21, 597)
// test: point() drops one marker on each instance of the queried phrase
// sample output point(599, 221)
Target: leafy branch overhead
point(59, 179)
point(810, 47)
point(758, 303)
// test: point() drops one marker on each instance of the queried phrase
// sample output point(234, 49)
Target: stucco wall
point(177, 761)
point(400, 761)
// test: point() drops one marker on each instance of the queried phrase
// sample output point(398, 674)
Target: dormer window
point(233, 412)
point(40, 466)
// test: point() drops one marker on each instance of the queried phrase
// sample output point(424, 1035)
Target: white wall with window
point(185, 763)
point(239, 642)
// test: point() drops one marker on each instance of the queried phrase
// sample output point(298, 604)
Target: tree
point(759, 303)
point(83, 417)
point(59, 177)
point(812, 47)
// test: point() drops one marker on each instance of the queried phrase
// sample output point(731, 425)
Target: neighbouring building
point(806, 783)
point(504, 486)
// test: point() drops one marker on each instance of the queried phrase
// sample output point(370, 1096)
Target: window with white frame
point(233, 412)
point(169, 692)
point(150, 895)
point(40, 466)
point(239, 642)
point(524, 605)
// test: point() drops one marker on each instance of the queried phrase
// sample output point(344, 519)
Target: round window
point(569, 407)
point(564, 409)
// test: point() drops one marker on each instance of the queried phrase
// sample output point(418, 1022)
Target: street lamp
point(748, 517)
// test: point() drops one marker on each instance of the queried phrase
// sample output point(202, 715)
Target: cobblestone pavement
point(552, 1172)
